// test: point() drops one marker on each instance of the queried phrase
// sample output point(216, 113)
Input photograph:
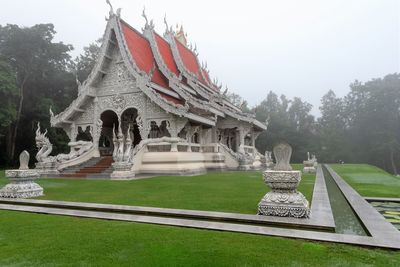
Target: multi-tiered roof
point(170, 70)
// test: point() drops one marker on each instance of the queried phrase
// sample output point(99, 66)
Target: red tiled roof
point(189, 60)
point(166, 53)
point(171, 98)
point(140, 50)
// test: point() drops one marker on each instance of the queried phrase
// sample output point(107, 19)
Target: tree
point(8, 101)
point(288, 120)
point(332, 129)
point(238, 101)
point(85, 62)
point(374, 121)
point(36, 60)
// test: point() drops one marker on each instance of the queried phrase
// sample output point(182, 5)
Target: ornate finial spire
point(119, 12)
point(51, 112)
point(226, 90)
point(111, 13)
point(166, 23)
point(181, 36)
point(144, 16)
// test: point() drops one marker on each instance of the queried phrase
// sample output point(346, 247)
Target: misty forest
point(37, 73)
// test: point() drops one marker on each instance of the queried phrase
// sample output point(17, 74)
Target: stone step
point(95, 167)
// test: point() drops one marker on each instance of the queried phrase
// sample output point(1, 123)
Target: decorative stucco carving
point(283, 199)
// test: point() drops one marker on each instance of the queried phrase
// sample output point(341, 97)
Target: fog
point(296, 48)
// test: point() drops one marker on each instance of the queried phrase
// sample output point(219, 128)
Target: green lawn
point(216, 191)
point(47, 240)
point(369, 180)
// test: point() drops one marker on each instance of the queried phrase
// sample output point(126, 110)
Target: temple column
point(172, 129)
point(237, 138)
point(241, 140)
point(189, 134)
point(253, 141)
point(214, 135)
point(200, 134)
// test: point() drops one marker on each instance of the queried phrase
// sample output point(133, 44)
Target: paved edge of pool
point(375, 223)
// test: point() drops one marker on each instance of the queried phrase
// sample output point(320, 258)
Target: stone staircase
point(93, 168)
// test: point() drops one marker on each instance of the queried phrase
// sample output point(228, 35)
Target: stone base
point(245, 167)
point(21, 190)
point(309, 169)
point(292, 204)
point(122, 171)
point(257, 165)
point(21, 184)
point(269, 165)
point(46, 168)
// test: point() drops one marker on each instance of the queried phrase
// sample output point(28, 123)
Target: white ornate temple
point(148, 106)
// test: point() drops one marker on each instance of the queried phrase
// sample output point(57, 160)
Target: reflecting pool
point(345, 218)
point(390, 210)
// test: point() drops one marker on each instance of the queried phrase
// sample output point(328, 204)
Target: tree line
point(37, 73)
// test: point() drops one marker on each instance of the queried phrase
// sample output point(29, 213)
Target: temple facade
point(149, 107)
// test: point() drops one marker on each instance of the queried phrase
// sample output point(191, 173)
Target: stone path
point(321, 211)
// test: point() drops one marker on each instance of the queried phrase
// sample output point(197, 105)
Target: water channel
point(346, 220)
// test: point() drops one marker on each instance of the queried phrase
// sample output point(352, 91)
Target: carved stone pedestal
point(245, 163)
point(46, 168)
point(21, 184)
point(284, 200)
point(269, 165)
point(122, 170)
point(257, 163)
point(309, 166)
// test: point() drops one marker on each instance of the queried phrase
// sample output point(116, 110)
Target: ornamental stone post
point(283, 199)
point(22, 183)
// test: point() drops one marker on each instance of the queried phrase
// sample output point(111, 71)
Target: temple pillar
point(172, 129)
point(253, 141)
point(241, 140)
point(214, 137)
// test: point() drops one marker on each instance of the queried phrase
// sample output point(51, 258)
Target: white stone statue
point(24, 160)
point(282, 152)
point(309, 164)
point(44, 146)
point(283, 199)
point(22, 183)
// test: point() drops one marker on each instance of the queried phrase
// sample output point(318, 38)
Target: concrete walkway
point(383, 199)
point(373, 221)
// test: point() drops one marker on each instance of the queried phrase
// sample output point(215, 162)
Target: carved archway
point(110, 120)
point(128, 118)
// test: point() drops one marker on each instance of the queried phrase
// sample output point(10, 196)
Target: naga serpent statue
point(44, 146)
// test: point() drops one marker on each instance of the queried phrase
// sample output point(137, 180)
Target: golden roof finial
point(181, 36)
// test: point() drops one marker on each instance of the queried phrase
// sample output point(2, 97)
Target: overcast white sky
point(296, 48)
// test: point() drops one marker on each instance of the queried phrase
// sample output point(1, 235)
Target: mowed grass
point(47, 240)
point(368, 180)
point(237, 192)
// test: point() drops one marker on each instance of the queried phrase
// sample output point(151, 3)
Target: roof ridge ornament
point(119, 12)
point(147, 25)
point(144, 16)
point(111, 12)
point(226, 90)
point(166, 23)
point(51, 112)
